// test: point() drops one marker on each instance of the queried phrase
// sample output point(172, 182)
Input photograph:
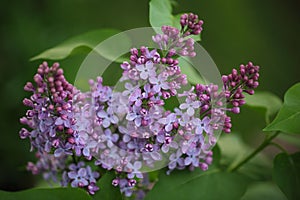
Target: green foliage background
point(265, 32)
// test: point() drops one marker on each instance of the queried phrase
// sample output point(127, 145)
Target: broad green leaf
point(268, 101)
point(288, 118)
point(286, 173)
point(216, 155)
point(208, 185)
point(193, 75)
point(107, 191)
point(263, 190)
point(47, 194)
point(81, 43)
point(160, 13)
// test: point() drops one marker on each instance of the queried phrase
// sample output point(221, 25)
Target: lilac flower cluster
point(190, 24)
point(177, 42)
point(52, 122)
point(129, 131)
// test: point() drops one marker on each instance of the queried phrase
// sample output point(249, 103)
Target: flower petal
point(190, 111)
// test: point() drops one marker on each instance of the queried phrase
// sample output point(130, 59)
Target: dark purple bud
point(166, 95)
point(149, 147)
point(115, 182)
point(55, 143)
point(23, 120)
point(143, 112)
point(131, 182)
point(144, 122)
point(227, 130)
point(235, 110)
point(175, 125)
point(210, 154)
point(209, 160)
point(29, 87)
point(70, 131)
point(163, 60)
point(251, 92)
point(27, 102)
point(133, 58)
point(171, 53)
point(143, 50)
point(60, 71)
point(24, 133)
point(134, 51)
point(203, 166)
point(29, 113)
point(168, 140)
point(242, 102)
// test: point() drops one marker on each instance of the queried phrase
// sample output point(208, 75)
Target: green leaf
point(193, 75)
point(78, 44)
point(160, 13)
point(286, 173)
point(47, 194)
point(269, 102)
point(107, 191)
point(216, 155)
point(199, 185)
point(288, 118)
point(264, 190)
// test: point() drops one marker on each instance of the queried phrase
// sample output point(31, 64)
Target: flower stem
point(262, 146)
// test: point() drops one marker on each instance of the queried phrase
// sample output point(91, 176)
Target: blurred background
point(265, 32)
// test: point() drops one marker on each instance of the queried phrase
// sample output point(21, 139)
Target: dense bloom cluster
point(53, 123)
point(128, 130)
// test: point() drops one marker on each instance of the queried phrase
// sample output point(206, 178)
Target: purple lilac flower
point(108, 117)
point(168, 121)
point(190, 106)
point(78, 178)
point(146, 70)
point(169, 142)
point(136, 97)
point(130, 88)
point(134, 168)
point(202, 125)
point(135, 115)
point(81, 176)
point(159, 82)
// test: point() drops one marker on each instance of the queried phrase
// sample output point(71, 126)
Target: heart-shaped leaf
point(267, 101)
point(84, 42)
point(107, 191)
point(193, 75)
point(208, 185)
point(160, 13)
point(288, 118)
point(264, 190)
point(47, 194)
point(286, 173)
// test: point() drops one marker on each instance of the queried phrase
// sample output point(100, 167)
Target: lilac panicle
point(126, 130)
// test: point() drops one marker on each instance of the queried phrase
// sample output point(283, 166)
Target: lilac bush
point(75, 133)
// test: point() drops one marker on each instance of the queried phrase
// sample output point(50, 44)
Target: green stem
point(262, 146)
